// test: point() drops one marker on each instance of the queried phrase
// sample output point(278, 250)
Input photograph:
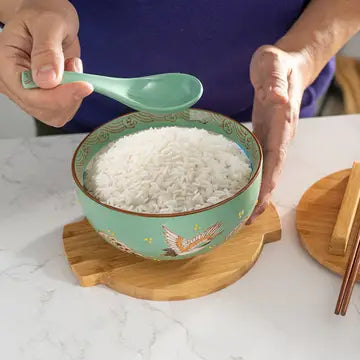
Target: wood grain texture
point(345, 218)
point(348, 77)
point(94, 261)
point(316, 216)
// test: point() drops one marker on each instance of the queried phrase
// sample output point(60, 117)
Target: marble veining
point(282, 309)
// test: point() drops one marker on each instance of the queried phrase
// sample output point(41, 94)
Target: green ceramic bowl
point(170, 236)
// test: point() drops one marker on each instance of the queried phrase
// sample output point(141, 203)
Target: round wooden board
point(316, 216)
point(94, 261)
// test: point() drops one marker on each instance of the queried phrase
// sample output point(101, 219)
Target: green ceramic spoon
point(158, 94)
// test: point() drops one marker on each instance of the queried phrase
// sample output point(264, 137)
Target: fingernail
point(46, 73)
point(78, 65)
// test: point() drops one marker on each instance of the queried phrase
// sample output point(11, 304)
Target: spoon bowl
point(157, 94)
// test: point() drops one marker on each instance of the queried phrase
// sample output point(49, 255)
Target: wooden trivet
point(316, 217)
point(94, 261)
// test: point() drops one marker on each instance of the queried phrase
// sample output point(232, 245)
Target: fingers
point(74, 64)
point(279, 85)
point(273, 163)
point(59, 105)
point(269, 75)
point(275, 125)
point(295, 96)
point(40, 37)
point(54, 107)
point(259, 209)
point(47, 58)
point(64, 96)
point(64, 99)
point(276, 91)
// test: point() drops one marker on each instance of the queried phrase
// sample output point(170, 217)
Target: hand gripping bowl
point(169, 236)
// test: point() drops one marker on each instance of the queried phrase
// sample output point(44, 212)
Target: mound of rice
point(167, 170)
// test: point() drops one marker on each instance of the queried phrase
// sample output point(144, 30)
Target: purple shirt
point(213, 40)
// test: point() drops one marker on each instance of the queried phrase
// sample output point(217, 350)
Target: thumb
point(47, 57)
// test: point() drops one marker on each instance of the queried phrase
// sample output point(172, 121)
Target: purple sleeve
point(317, 89)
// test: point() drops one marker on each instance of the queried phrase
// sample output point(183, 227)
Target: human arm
point(281, 72)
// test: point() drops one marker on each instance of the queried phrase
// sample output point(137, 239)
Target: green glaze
point(157, 94)
point(146, 235)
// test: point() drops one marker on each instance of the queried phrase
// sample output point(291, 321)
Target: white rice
point(167, 170)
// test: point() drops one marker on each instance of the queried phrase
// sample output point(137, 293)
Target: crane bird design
point(110, 238)
point(177, 245)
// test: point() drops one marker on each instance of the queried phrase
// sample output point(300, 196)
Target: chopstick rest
point(341, 233)
point(345, 223)
point(316, 216)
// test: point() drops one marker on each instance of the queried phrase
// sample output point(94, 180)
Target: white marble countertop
point(282, 309)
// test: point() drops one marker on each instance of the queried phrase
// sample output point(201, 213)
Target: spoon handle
point(97, 81)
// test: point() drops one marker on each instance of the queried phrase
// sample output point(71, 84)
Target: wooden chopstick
point(353, 277)
point(349, 278)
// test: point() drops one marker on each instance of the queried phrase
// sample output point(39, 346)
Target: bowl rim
point(191, 212)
